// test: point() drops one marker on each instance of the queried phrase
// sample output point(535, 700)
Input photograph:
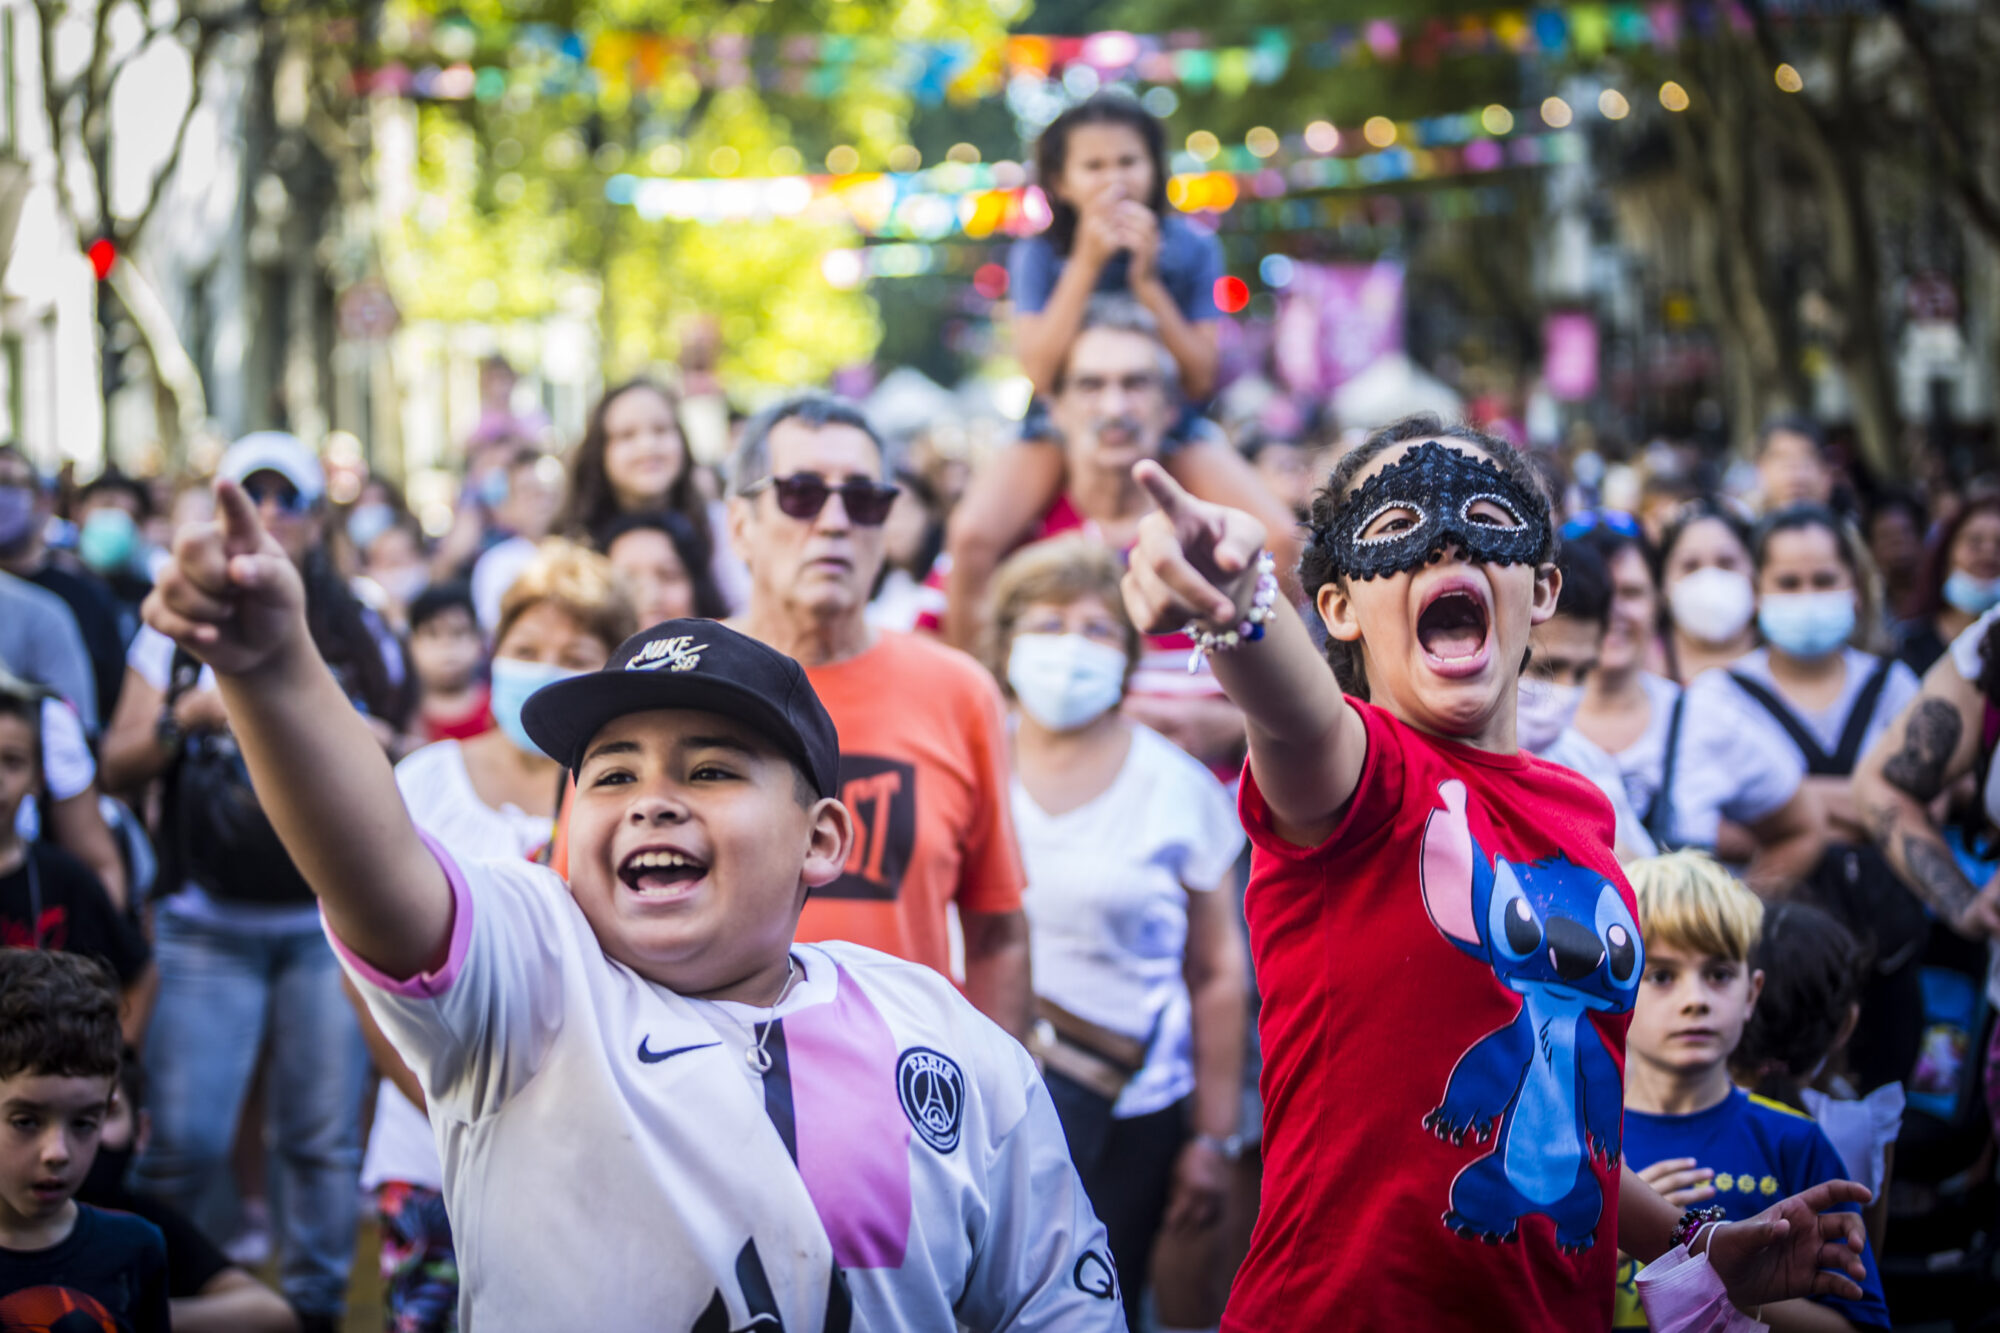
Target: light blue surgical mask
point(107, 540)
point(366, 522)
point(1974, 596)
point(513, 682)
point(1065, 680)
point(1807, 624)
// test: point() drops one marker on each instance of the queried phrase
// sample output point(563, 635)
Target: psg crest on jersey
point(933, 1094)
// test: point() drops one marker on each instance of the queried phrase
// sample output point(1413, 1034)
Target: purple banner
point(1569, 356)
point(1336, 320)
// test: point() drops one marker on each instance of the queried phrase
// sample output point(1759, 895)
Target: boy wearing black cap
point(655, 1110)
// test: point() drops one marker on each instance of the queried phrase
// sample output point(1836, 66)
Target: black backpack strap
point(182, 674)
point(1659, 819)
point(1818, 762)
point(1863, 713)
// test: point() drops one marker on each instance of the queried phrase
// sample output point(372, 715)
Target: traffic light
point(103, 255)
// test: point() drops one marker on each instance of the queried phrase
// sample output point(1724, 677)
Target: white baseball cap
point(275, 451)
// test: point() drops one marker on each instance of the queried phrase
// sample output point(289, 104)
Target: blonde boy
point(1690, 1133)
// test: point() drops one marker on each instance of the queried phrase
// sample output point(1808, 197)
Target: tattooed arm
point(1930, 745)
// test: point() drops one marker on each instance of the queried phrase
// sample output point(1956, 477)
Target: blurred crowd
point(1044, 795)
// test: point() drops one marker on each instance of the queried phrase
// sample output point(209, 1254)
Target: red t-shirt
point(1481, 964)
point(923, 770)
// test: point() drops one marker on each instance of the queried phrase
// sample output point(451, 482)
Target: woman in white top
point(490, 796)
point(1138, 959)
point(1730, 793)
point(1813, 690)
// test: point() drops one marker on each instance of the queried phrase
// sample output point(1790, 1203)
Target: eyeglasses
point(1096, 386)
point(1611, 520)
point(803, 494)
point(276, 490)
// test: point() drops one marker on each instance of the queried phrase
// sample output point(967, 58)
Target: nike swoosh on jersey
point(647, 1057)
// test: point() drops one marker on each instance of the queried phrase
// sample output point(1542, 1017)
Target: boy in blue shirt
point(64, 1264)
point(1689, 1132)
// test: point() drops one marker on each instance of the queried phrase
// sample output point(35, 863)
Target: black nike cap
point(697, 664)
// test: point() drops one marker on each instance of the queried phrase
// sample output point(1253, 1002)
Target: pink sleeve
point(423, 985)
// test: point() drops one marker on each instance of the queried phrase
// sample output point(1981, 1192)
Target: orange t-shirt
point(923, 770)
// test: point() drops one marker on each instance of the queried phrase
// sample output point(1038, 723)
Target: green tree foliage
point(512, 222)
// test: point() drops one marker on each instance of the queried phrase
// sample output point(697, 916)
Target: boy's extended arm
point(232, 598)
point(1195, 561)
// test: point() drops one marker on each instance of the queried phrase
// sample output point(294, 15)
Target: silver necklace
point(756, 1056)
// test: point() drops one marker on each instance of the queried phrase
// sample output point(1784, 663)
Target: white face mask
point(1543, 711)
point(1712, 605)
point(1065, 680)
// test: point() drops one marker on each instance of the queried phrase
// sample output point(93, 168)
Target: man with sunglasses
point(923, 751)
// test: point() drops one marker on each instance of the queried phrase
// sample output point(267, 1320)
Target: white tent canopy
point(907, 401)
point(1393, 386)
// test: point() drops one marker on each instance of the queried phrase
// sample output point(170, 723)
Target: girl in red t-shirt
point(1446, 949)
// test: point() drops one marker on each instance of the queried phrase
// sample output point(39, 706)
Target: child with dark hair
point(639, 1073)
point(1446, 949)
point(204, 1289)
point(1103, 166)
point(59, 1055)
point(48, 898)
point(446, 657)
point(1793, 1047)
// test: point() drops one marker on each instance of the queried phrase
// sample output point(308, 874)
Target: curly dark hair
point(1052, 151)
point(1316, 565)
point(58, 1015)
point(592, 503)
point(1813, 970)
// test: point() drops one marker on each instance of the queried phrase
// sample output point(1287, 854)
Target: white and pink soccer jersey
point(612, 1160)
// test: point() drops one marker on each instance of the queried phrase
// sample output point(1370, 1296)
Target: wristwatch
point(167, 732)
point(1230, 1146)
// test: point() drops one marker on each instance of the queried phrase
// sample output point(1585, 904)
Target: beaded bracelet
point(1263, 605)
point(1692, 1223)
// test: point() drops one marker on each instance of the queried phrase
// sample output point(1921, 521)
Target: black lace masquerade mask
point(1439, 487)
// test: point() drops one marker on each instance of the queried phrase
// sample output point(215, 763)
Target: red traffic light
point(103, 254)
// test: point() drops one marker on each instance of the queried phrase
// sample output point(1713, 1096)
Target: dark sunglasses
point(803, 494)
point(277, 491)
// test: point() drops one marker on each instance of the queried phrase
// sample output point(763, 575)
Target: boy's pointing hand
point(230, 595)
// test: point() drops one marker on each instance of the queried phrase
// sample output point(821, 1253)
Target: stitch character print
point(1542, 1090)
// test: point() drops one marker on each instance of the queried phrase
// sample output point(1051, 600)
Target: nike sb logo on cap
point(679, 653)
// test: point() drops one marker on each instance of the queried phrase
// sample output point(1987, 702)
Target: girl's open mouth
point(661, 874)
point(1453, 631)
